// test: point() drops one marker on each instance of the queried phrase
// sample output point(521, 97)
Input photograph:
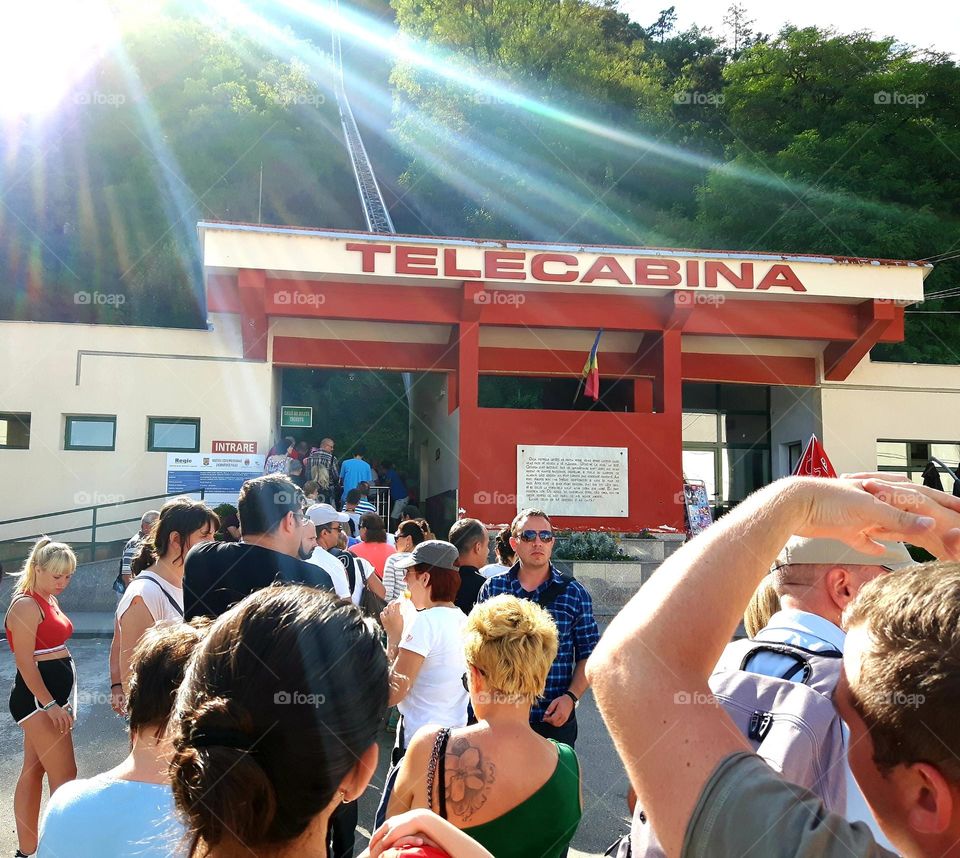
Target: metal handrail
point(946, 467)
point(80, 509)
point(92, 526)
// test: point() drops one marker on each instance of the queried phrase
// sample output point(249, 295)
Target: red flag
point(814, 461)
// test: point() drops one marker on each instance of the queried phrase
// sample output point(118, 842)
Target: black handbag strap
point(549, 596)
point(438, 766)
point(163, 590)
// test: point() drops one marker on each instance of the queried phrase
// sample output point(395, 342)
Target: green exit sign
point(296, 417)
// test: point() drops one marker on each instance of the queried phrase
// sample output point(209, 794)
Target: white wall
point(915, 402)
point(135, 373)
point(795, 415)
point(432, 429)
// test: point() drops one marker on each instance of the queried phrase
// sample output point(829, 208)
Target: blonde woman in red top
point(43, 700)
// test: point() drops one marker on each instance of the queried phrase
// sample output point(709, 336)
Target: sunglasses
point(531, 535)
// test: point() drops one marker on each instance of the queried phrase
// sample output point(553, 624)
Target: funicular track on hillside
point(374, 209)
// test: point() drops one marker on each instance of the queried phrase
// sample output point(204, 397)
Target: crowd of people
point(325, 479)
point(256, 676)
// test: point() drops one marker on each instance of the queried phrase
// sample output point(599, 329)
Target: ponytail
point(145, 557)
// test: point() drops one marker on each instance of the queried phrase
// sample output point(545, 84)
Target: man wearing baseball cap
point(329, 522)
point(815, 580)
point(343, 822)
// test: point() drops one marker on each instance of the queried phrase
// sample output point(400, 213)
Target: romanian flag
point(591, 371)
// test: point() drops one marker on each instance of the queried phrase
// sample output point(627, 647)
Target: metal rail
point(22, 542)
point(374, 209)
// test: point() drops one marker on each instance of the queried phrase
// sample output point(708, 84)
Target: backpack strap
point(799, 671)
point(349, 562)
point(163, 590)
point(549, 596)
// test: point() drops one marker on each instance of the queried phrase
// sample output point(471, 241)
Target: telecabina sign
point(553, 267)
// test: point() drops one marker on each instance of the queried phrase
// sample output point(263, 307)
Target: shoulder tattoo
point(468, 778)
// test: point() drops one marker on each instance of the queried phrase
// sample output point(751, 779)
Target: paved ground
point(101, 743)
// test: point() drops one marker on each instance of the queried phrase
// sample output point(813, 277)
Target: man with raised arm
point(702, 789)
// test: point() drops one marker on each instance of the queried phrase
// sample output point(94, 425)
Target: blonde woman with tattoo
point(514, 792)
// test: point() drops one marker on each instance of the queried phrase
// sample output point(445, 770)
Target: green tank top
point(544, 825)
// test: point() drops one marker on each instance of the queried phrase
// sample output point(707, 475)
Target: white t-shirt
point(492, 569)
point(147, 586)
point(437, 695)
point(338, 573)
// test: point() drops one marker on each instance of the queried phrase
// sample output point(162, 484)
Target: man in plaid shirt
point(534, 577)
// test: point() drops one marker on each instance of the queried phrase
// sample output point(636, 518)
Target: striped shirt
point(129, 552)
point(577, 629)
point(365, 506)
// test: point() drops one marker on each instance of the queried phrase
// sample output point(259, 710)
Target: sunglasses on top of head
point(531, 535)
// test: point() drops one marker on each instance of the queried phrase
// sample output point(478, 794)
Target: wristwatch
point(572, 696)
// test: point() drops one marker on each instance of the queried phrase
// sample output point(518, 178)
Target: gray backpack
point(790, 720)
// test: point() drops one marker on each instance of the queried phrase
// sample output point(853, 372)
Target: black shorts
point(60, 677)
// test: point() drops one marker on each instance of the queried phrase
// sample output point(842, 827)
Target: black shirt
point(470, 583)
point(217, 575)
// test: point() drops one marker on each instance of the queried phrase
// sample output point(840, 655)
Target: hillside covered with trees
point(526, 119)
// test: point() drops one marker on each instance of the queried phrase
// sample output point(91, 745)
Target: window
point(173, 434)
point(794, 452)
point(89, 432)
point(726, 439)
point(910, 458)
point(14, 431)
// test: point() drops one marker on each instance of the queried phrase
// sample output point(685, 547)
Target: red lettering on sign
point(693, 273)
point(606, 268)
point(234, 447)
point(504, 265)
point(781, 275)
point(658, 272)
point(368, 253)
point(539, 270)
point(742, 281)
point(416, 260)
point(450, 266)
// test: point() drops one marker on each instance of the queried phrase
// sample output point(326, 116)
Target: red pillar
point(251, 284)
point(468, 372)
point(667, 390)
point(668, 403)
